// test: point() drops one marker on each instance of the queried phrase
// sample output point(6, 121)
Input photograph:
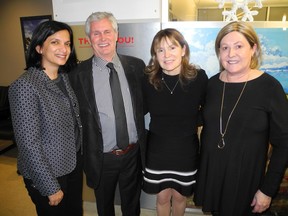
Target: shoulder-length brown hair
point(188, 71)
point(249, 33)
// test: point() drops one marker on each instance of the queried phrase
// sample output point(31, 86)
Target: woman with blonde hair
point(245, 110)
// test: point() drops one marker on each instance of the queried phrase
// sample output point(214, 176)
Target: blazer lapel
point(86, 80)
point(68, 87)
point(50, 84)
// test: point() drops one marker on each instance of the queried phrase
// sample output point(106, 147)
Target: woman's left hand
point(261, 202)
point(56, 198)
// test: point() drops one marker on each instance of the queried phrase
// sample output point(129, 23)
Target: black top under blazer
point(44, 128)
point(82, 82)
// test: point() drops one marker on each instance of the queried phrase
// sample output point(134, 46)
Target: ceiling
point(214, 3)
point(208, 10)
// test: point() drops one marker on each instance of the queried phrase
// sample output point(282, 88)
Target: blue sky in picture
point(275, 53)
point(274, 42)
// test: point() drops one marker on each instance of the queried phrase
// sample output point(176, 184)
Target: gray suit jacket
point(82, 82)
point(44, 128)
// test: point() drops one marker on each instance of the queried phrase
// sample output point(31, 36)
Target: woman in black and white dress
point(173, 92)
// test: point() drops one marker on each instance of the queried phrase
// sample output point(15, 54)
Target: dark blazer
point(82, 82)
point(44, 128)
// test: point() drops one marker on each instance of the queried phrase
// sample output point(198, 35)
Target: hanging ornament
point(239, 4)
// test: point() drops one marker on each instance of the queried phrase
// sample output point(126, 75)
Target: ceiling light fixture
point(239, 4)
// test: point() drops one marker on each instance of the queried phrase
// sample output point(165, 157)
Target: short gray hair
point(97, 16)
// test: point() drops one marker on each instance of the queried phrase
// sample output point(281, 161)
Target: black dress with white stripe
point(172, 142)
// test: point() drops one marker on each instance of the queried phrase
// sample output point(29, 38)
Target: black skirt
point(171, 162)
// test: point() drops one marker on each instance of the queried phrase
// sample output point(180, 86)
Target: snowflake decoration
point(243, 4)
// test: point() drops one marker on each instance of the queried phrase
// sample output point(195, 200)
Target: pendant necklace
point(221, 143)
point(171, 91)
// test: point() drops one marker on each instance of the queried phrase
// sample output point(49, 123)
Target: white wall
point(12, 57)
point(183, 10)
point(77, 11)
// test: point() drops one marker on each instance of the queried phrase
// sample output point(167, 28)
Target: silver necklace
point(221, 143)
point(171, 91)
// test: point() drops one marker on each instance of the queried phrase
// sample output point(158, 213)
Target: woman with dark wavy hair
point(173, 93)
point(45, 116)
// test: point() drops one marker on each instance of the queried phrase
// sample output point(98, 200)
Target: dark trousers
point(126, 171)
point(71, 185)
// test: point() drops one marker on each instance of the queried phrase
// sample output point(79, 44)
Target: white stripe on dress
point(169, 179)
point(171, 172)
